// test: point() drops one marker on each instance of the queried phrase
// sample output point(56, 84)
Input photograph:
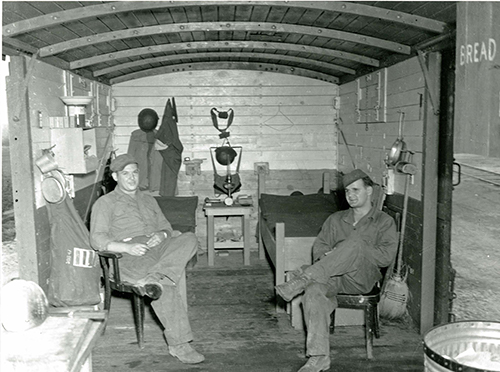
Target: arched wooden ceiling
point(332, 41)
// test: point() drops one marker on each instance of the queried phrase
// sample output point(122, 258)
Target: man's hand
point(137, 249)
point(156, 238)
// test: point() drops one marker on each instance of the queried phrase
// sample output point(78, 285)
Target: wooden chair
point(113, 282)
point(368, 303)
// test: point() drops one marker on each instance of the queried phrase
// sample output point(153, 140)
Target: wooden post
point(28, 232)
point(445, 190)
point(429, 197)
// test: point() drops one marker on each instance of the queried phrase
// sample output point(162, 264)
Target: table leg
point(246, 239)
point(210, 240)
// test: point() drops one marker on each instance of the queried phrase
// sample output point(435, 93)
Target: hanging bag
point(74, 271)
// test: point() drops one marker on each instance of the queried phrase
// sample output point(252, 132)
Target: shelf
point(77, 100)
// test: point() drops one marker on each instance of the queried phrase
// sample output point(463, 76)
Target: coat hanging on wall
point(168, 134)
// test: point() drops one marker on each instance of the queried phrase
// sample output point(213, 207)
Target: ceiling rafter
point(222, 65)
point(72, 15)
point(224, 26)
point(228, 44)
point(177, 57)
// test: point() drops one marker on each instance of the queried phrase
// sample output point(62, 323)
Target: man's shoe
point(186, 354)
point(293, 287)
point(316, 364)
point(150, 287)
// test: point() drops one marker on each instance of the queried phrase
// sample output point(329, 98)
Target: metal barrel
point(445, 342)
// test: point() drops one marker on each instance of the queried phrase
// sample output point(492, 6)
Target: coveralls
point(347, 258)
point(120, 217)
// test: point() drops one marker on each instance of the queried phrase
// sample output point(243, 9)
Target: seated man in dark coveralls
point(130, 221)
point(348, 253)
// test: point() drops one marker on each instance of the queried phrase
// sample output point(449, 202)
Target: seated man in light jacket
point(155, 256)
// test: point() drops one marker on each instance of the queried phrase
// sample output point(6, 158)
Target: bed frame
point(286, 253)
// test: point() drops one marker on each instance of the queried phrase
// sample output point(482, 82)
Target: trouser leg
point(347, 269)
point(169, 259)
point(317, 310)
point(350, 260)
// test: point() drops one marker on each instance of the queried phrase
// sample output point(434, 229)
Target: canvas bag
point(74, 270)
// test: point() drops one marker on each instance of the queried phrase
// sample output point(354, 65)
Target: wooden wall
point(29, 134)
point(370, 142)
point(477, 109)
point(281, 120)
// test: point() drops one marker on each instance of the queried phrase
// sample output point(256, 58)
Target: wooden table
point(213, 210)
point(59, 344)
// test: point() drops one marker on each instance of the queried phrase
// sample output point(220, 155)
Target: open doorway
point(475, 249)
point(9, 252)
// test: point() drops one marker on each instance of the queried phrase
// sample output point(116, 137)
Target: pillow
point(298, 204)
point(180, 211)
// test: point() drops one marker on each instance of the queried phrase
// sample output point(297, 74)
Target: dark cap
point(121, 161)
point(353, 176)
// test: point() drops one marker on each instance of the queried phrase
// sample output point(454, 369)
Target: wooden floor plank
point(232, 313)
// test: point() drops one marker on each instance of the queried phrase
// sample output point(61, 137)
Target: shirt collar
point(349, 217)
point(120, 194)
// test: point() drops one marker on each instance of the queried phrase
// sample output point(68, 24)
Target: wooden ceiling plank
point(276, 14)
point(194, 46)
point(229, 26)
point(207, 14)
point(268, 67)
point(222, 55)
point(72, 15)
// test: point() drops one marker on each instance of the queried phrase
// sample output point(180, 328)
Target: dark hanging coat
point(141, 147)
point(172, 156)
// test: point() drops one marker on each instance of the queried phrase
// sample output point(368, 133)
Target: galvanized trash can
point(465, 346)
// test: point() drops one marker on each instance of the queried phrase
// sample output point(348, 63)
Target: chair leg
point(138, 304)
point(332, 322)
point(107, 295)
point(376, 325)
point(369, 331)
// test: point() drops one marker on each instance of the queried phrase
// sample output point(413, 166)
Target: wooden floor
point(232, 315)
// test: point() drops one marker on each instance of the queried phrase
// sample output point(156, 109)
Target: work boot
point(293, 287)
point(149, 286)
point(186, 354)
point(316, 364)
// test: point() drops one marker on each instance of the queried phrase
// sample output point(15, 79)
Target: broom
point(395, 292)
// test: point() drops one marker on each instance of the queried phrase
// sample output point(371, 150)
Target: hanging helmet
point(148, 119)
point(225, 155)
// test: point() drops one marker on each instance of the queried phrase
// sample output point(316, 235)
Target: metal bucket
point(442, 344)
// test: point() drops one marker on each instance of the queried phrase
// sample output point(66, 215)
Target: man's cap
point(121, 161)
point(353, 176)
